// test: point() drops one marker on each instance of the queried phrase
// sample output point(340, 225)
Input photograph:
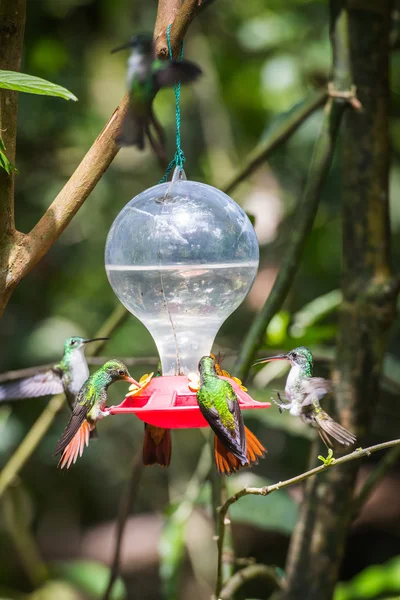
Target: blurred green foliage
point(259, 62)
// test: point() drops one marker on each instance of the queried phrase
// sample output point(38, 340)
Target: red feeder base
point(167, 402)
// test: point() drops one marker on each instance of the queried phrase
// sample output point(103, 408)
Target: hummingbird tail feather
point(329, 430)
point(225, 461)
point(156, 446)
point(254, 447)
point(132, 130)
point(76, 446)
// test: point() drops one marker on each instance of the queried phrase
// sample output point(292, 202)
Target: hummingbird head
point(207, 366)
point(300, 357)
point(141, 43)
point(78, 343)
point(117, 371)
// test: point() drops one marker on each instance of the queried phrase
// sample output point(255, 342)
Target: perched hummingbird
point(146, 75)
point(235, 446)
point(67, 376)
point(157, 445)
point(304, 393)
point(89, 407)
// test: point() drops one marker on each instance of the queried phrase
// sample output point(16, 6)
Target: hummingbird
point(146, 75)
point(67, 376)
point(89, 407)
point(304, 393)
point(157, 445)
point(235, 446)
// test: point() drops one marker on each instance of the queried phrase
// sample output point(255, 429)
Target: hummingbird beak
point(96, 340)
point(123, 47)
point(261, 361)
point(131, 380)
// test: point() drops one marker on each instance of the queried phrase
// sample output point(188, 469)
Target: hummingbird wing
point(168, 74)
point(40, 384)
point(231, 433)
point(315, 388)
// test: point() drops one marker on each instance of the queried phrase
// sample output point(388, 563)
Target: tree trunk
point(368, 309)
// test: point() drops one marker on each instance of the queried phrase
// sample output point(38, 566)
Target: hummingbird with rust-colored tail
point(235, 446)
point(146, 75)
point(157, 444)
point(67, 376)
point(89, 407)
point(304, 393)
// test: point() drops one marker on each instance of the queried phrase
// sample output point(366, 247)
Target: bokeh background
point(259, 59)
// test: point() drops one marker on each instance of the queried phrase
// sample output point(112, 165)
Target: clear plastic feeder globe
point(181, 257)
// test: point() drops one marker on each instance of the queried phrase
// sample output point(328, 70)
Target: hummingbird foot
point(280, 403)
point(329, 460)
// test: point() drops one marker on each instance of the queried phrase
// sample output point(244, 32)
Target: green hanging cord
point(179, 157)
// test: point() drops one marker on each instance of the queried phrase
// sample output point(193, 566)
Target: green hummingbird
point(235, 446)
point(67, 376)
point(89, 407)
point(304, 393)
point(146, 75)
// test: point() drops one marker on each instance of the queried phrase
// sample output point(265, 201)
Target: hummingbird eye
point(121, 372)
point(72, 343)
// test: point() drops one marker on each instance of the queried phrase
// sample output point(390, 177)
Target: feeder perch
point(181, 257)
point(167, 402)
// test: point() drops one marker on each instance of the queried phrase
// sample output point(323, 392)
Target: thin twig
point(304, 219)
point(278, 136)
point(265, 491)
point(42, 424)
point(375, 477)
point(247, 574)
point(125, 506)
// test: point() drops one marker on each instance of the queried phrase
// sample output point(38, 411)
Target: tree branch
point(12, 25)
point(369, 292)
point(127, 499)
point(304, 219)
point(43, 423)
point(267, 490)
point(33, 246)
point(247, 574)
point(180, 15)
point(278, 136)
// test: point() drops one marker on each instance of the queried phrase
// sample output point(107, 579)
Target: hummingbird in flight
point(304, 393)
point(89, 407)
point(146, 75)
point(67, 376)
point(157, 444)
point(235, 446)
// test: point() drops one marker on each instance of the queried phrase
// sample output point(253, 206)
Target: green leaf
point(55, 589)
point(88, 576)
point(373, 582)
point(4, 162)
point(21, 82)
point(277, 512)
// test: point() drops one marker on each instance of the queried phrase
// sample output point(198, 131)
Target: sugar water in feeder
point(181, 257)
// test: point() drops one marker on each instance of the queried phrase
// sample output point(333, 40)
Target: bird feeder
point(181, 257)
